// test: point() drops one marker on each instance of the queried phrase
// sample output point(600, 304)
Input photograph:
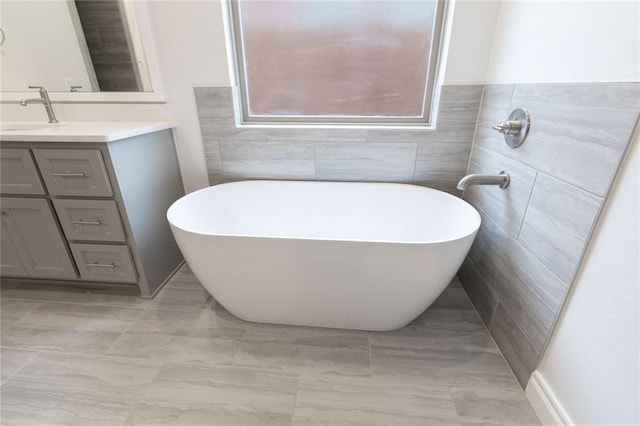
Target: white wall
point(469, 40)
point(53, 54)
point(191, 51)
point(590, 370)
point(566, 41)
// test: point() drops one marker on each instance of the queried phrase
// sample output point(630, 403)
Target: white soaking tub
point(365, 256)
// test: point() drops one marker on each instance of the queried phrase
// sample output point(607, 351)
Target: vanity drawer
point(90, 220)
point(18, 173)
point(74, 172)
point(98, 262)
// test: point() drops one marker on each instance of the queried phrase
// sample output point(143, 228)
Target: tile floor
point(96, 357)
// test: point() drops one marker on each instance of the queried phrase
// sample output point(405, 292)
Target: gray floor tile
point(14, 310)
point(67, 339)
point(82, 390)
point(185, 274)
point(183, 294)
point(310, 336)
point(490, 406)
point(304, 358)
point(126, 298)
point(175, 348)
point(220, 369)
point(67, 315)
point(324, 399)
point(206, 323)
point(6, 284)
point(13, 360)
point(307, 349)
point(49, 293)
point(187, 394)
point(442, 368)
point(455, 283)
point(435, 339)
point(453, 309)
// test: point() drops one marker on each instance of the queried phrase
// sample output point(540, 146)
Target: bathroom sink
point(26, 126)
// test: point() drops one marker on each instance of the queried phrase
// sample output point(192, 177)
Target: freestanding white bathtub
point(366, 256)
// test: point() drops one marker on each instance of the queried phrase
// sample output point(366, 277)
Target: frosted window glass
point(336, 58)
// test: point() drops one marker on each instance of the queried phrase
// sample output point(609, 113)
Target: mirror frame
point(157, 96)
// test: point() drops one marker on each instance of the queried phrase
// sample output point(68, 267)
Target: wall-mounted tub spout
point(503, 179)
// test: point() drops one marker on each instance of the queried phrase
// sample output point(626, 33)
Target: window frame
point(429, 101)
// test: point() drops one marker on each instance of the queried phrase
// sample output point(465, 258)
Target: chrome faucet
point(44, 98)
point(503, 179)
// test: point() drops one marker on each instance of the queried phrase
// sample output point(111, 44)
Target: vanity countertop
point(78, 131)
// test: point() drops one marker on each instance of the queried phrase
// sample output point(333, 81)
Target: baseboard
point(545, 403)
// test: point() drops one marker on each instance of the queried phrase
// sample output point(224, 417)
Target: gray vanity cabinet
point(18, 174)
point(10, 263)
point(90, 212)
point(29, 225)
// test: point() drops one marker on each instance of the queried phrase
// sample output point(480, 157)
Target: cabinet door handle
point(101, 265)
point(85, 222)
point(67, 174)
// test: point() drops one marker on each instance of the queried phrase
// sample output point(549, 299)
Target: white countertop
point(77, 131)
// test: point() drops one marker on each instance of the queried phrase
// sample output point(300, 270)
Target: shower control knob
point(509, 127)
point(516, 128)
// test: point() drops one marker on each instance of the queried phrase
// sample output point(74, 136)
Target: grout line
point(415, 164)
point(295, 398)
point(315, 160)
point(513, 374)
point(97, 304)
point(524, 214)
point(524, 248)
point(21, 366)
point(370, 358)
point(123, 333)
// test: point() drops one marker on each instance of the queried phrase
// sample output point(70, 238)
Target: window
point(328, 61)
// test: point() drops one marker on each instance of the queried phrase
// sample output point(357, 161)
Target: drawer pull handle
point(67, 174)
point(85, 222)
point(101, 265)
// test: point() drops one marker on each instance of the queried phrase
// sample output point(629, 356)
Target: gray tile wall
point(533, 233)
point(436, 158)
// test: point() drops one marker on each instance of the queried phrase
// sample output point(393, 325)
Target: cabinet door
point(29, 223)
point(10, 263)
point(18, 174)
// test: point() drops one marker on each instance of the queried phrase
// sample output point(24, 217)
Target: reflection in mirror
point(72, 45)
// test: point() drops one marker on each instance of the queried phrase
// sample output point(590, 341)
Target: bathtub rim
point(476, 214)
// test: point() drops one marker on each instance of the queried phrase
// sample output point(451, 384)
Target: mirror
point(72, 46)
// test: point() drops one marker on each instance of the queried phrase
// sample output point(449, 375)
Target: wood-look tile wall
point(436, 158)
point(106, 36)
point(533, 233)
